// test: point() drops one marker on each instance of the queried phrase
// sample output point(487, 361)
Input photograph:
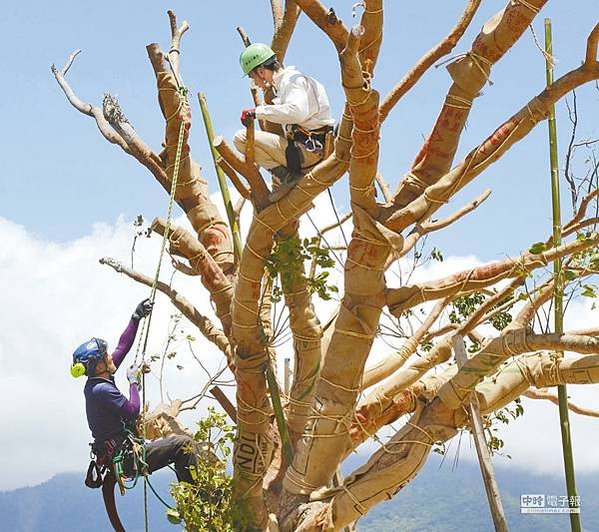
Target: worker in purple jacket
point(109, 411)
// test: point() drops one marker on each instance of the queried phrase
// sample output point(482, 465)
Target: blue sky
point(68, 197)
point(60, 176)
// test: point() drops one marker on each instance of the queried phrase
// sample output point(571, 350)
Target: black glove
point(143, 309)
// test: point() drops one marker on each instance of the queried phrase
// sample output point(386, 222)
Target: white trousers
point(269, 150)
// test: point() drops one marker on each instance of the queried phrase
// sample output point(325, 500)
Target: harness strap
point(94, 477)
point(293, 156)
point(313, 140)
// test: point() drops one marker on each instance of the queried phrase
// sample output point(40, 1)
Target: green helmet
point(254, 55)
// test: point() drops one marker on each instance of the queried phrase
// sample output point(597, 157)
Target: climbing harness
point(313, 140)
point(121, 462)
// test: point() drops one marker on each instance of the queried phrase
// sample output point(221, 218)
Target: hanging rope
point(337, 216)
point(145, 329)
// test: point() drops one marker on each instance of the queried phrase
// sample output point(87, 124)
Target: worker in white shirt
point(301, 107)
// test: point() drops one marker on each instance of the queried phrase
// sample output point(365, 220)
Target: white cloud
point(55, 296)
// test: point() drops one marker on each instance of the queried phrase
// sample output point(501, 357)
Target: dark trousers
point(176, 450)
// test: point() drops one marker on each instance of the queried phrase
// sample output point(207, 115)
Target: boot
point(283, 181)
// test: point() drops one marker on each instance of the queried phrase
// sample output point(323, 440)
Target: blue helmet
point(86, 356)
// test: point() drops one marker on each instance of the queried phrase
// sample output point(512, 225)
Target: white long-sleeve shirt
point(300, 100)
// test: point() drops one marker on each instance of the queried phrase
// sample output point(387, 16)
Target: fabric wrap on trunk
point(326, 435)
point(388, 471)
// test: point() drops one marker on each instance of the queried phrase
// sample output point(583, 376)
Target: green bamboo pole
point(558, 291)
point(275, 396)
point(221, 178)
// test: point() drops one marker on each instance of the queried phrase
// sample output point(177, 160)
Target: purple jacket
point(107, 408)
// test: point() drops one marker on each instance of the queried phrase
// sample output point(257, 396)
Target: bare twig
point(421, 230)
point(531, 393)
point(429, 59)
point(573, 115)
point(244, 36)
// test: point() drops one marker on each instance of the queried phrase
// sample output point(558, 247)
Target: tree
point(324, 420)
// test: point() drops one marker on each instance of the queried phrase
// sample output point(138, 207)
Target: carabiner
point(313, 145)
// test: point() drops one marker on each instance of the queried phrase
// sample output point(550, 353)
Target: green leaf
point(569, 275)
point(173, 516)
point(537, 247)
point(589, 291)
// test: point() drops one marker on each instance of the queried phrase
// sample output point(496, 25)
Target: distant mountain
point(439, 500)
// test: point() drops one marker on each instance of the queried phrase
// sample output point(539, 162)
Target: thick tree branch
point(276, 8)
point(510, 132)
point(284, 30)
point(400, 299)
point(258, 190)
point(212, 277)
point(370, 44)
point(379, 400)
point(326, 20)
point(511, 343)
point(192, 191)
point(244, 192)
point(469, 73)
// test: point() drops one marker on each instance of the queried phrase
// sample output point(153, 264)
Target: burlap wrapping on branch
point(184, 244)
point(376, 411)
point(192, 191)
point(253, 435)
point(388, 470)
point(382, 396)
point(399, 460)
point(469, 73)
point(327, 432)
point(540, 370)
point(307, 335)
point(253, 449)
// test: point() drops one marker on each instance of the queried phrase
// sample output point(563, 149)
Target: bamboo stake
point(558, 290)
point(482, 449)
point(221, 178)
point(275, 396)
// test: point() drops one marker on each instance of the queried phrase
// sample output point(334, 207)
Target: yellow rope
point(162, 249)
point(145, 330)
